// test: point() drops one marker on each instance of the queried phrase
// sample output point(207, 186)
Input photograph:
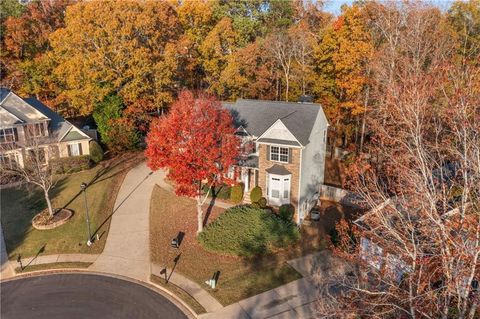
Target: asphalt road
point(71, 296)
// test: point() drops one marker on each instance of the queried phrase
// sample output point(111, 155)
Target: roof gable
point(21, 109)
point(279, 131)
point(257, 116)
point(7, 118)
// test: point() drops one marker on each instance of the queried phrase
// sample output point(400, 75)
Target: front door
point(279, 189)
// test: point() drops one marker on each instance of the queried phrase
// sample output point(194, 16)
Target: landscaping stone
point(43, 221)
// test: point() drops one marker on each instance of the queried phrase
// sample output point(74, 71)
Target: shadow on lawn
point(30, 201)
point(313, 239)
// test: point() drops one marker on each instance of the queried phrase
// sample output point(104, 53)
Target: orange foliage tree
point(195, 142)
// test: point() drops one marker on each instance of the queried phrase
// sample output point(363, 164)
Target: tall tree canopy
point(124, 47)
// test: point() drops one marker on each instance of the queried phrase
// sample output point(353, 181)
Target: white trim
point(279, 120)
point(299, 186)
point(77, 129)
point(281, 145)
point(279, 153)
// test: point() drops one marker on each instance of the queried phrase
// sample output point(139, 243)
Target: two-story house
point(283, 150)
point(27, 123)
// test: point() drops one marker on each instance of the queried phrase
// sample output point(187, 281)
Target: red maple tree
point(195, 142)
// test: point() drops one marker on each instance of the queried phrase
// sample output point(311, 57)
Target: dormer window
point(279, 154)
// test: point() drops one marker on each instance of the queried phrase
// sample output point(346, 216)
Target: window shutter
point(69, 148)
point(268, 152)
point(290, 155)
point(80, 149)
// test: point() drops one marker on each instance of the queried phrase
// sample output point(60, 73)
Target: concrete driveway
point(127, 250)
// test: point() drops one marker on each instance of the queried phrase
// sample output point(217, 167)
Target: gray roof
point(250, 161)
point(3, 93)
point(278, 170)
point(256, 116)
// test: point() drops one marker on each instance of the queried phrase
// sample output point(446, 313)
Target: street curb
point(159, 290)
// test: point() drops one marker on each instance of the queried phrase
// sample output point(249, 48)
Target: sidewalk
point(296, 299)
point(193, 289)
point(127, 250)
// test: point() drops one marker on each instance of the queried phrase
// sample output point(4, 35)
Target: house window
point(8, 135)
point(275, 192)
point(9, 160)
point(286, 188)
point(35, 130)
point(75, 149)
point(279, 154)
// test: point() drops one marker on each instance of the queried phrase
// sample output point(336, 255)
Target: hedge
point(247, 231)
point(72, 164)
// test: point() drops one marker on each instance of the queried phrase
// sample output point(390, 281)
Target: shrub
point(247, 231)
point(96, 152)
point(73, 164)
point(286, 212)
point(236, 193)
point(255, 194)
point(262, 202)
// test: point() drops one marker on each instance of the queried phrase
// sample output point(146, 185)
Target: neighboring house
point(27, 123)
point(283, 151)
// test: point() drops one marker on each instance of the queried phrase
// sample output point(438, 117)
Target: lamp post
point(84, 187)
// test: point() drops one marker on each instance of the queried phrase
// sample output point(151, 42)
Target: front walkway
point(127, 250)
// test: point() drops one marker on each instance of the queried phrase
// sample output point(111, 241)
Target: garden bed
point(43, 220)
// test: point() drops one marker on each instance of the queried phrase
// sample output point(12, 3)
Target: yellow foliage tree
point(218, 46)
point(125, 47)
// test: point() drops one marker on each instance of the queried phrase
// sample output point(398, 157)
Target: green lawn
point(20, 204)
point(239, 277)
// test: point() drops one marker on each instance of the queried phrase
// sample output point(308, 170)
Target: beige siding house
point(283, 151)
point(25, 122)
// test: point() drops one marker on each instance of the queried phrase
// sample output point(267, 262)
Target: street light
point(84, 187)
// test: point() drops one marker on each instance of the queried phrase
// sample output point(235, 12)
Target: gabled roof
point(19, 108)
point(256, 116)
point(31, 110)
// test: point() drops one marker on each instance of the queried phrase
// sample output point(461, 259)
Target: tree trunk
point(199, 215)
point(287, 87)
point(49, 203)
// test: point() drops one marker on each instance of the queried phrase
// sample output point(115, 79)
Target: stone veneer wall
point(293, 167)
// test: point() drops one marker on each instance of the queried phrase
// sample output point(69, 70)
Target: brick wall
point(293, 167)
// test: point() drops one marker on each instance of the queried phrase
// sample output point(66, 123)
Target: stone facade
point(293, 166)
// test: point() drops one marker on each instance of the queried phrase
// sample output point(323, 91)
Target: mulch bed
point(44, 221)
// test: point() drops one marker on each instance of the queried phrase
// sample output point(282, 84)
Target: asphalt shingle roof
point(256, 116)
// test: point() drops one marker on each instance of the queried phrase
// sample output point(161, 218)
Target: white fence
point(339, 195)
